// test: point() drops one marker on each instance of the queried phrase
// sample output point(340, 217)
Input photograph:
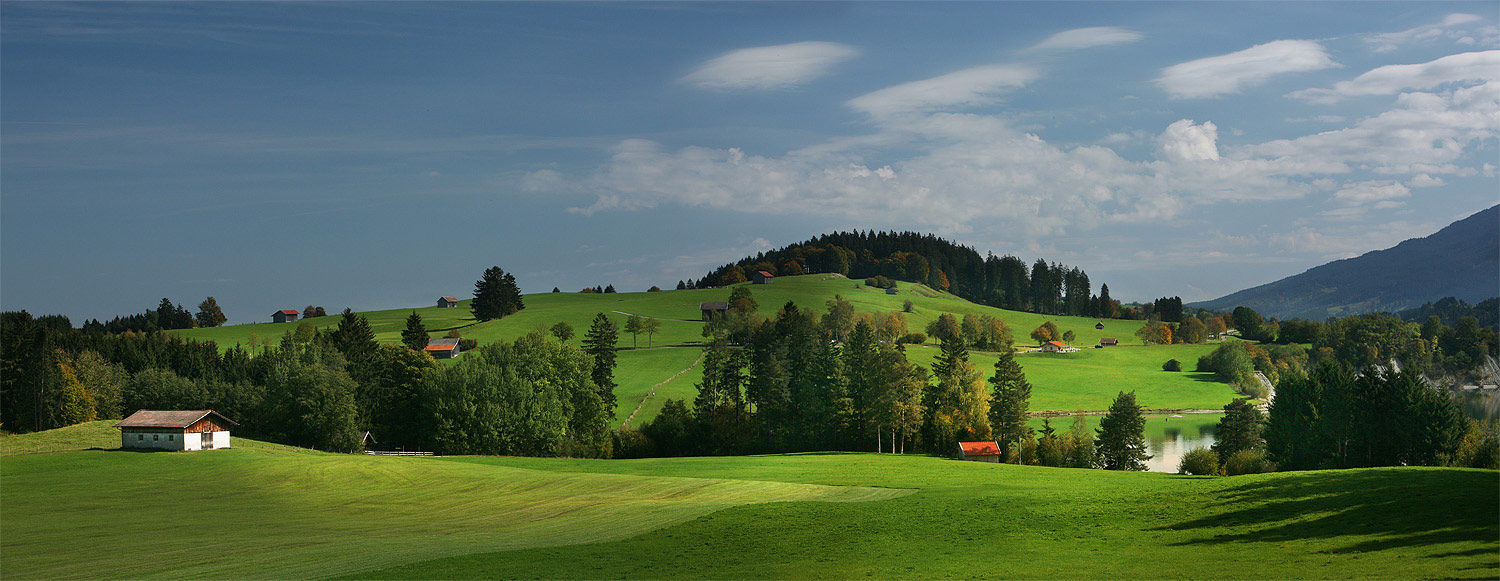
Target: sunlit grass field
point(263, 511)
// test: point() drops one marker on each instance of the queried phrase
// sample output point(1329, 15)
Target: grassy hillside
point(1081, 381)
point(262, 511)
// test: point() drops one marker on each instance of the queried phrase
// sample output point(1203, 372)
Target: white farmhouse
point(175, 430)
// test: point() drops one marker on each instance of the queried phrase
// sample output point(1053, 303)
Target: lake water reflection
point(1168, 437)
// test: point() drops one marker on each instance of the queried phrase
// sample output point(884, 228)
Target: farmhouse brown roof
point(441, 347)
point(289, 312)
point(450, 299)
point(979, 448)
point(179, 419)
point(1109, 341)
point(713, 306)
point(767, 274)
point(1058, 344)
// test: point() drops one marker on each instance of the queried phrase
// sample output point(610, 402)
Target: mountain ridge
point(1461, 260)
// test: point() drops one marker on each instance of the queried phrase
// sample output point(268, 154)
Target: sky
point(381, 155)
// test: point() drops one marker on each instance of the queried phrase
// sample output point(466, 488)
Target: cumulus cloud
point(1183, 141)
point(1088, 38)
point(1425, 181)
point(1459, 28)
point(783, 66)
point(966, 88)
point(1231, 73)
point(1469, 67)
point(1371, 191)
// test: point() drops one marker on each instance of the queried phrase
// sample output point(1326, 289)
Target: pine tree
point(353, 337)
point(1122, 443)
point(681, 285)
point(510, 296)
point(415, 335)
point(952, 351)
point(600, 342)
point(209, 313)
point(1010, 400)
point(489, 295)
point(1239, 429)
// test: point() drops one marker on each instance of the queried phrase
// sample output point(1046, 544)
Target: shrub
point(1480, 446)
point(906, 306)
point(631, 443)
point(912, 339)
point(880, 282)
point(1199, 462)
point(1172, 365)
point(453, 334)
point(467, 344)
point(1246, 462)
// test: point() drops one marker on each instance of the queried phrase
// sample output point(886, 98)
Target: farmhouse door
point(208, 440)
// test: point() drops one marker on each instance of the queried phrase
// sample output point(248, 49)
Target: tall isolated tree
point(650, 326)
point(1239, 429)
point(209, 313)
point(1122, 440)
point(415, 334)
point(489, 295)
point(1010, 400)
point(600, 342)
point(635, 325)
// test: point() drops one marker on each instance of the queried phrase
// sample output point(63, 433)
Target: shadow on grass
point(1384, 508)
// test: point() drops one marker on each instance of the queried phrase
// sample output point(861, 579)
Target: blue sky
point(380, 155)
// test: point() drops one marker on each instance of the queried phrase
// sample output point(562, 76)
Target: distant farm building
point(892, 291)
point(1099, 325)
point(979, 451)
point(366, 440)
point(285, 315)
point(175, 430)
point(443, 348)
point(762, 277)
point(1057, 347)
point(447, 303)
point(713, 311)
point(1108, 342)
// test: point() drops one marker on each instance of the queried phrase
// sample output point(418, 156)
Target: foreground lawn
point(262, 511)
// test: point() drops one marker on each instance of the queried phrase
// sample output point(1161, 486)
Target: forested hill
point(1461, 260)
point(1006, 282)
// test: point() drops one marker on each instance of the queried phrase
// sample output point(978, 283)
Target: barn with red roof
point(285, 315)
point(979, 451)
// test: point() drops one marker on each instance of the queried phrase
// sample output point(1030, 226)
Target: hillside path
point(650, 394)
point(657, 318)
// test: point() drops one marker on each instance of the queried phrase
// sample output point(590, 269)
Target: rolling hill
point(1087, 380)
point(1461, 260)
point(261, 510)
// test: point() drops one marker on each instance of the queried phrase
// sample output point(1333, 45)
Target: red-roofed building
point(979, 451)
point(443, 348)
point(447, 303)
point(1056, 347)
point(285, 315)
point(762, 277)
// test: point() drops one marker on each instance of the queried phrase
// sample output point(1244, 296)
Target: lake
point(1167, 437)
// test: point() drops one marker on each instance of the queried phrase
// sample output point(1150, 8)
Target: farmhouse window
point(171, 437)
point(139, 437)
point(155, 437)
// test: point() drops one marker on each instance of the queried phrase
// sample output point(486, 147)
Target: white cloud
point(1088, 38)
point(1236, 71)
point(1425, 181)
point(966, 88)
point(1469, 67)
point(1459, 28)
point(783, 66)
point(1317, 119)
point(1183, 141)
point(1371, 191)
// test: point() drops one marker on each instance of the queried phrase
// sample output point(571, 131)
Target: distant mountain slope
point(1461, 260)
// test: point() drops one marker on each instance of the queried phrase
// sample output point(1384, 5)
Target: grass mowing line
point(638, 406)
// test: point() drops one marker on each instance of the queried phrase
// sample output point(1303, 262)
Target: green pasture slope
point(1087, 380)
point(262, 511)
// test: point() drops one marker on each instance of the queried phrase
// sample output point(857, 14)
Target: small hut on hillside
point(443, 348)
point(763, 277)
point(447, 303)
point(713, 311)
point(285, 315)
point(979, 451)
point(175, 430)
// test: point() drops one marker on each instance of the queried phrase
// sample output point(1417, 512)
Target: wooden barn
point(443, 348)
point(1099, 325)
point(285, 315)
point(892, 291)
point(762, 277)
point(1109, 342)
point(175, 430)
point(712, 311)
point(447, 303)
point(979, 451)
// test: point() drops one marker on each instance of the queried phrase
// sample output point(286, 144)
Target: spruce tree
point(353, 337)
point(415, 335)
point(952, 351)
point(510, 296)
point(1239, 429)
point(1010, 399)
point(600, 342)
point(1122, 440)
point(489, 295)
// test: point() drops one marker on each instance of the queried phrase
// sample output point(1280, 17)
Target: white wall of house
point(176, 441)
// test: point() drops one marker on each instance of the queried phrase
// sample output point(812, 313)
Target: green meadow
point(264, 511)
point(1087, 380)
